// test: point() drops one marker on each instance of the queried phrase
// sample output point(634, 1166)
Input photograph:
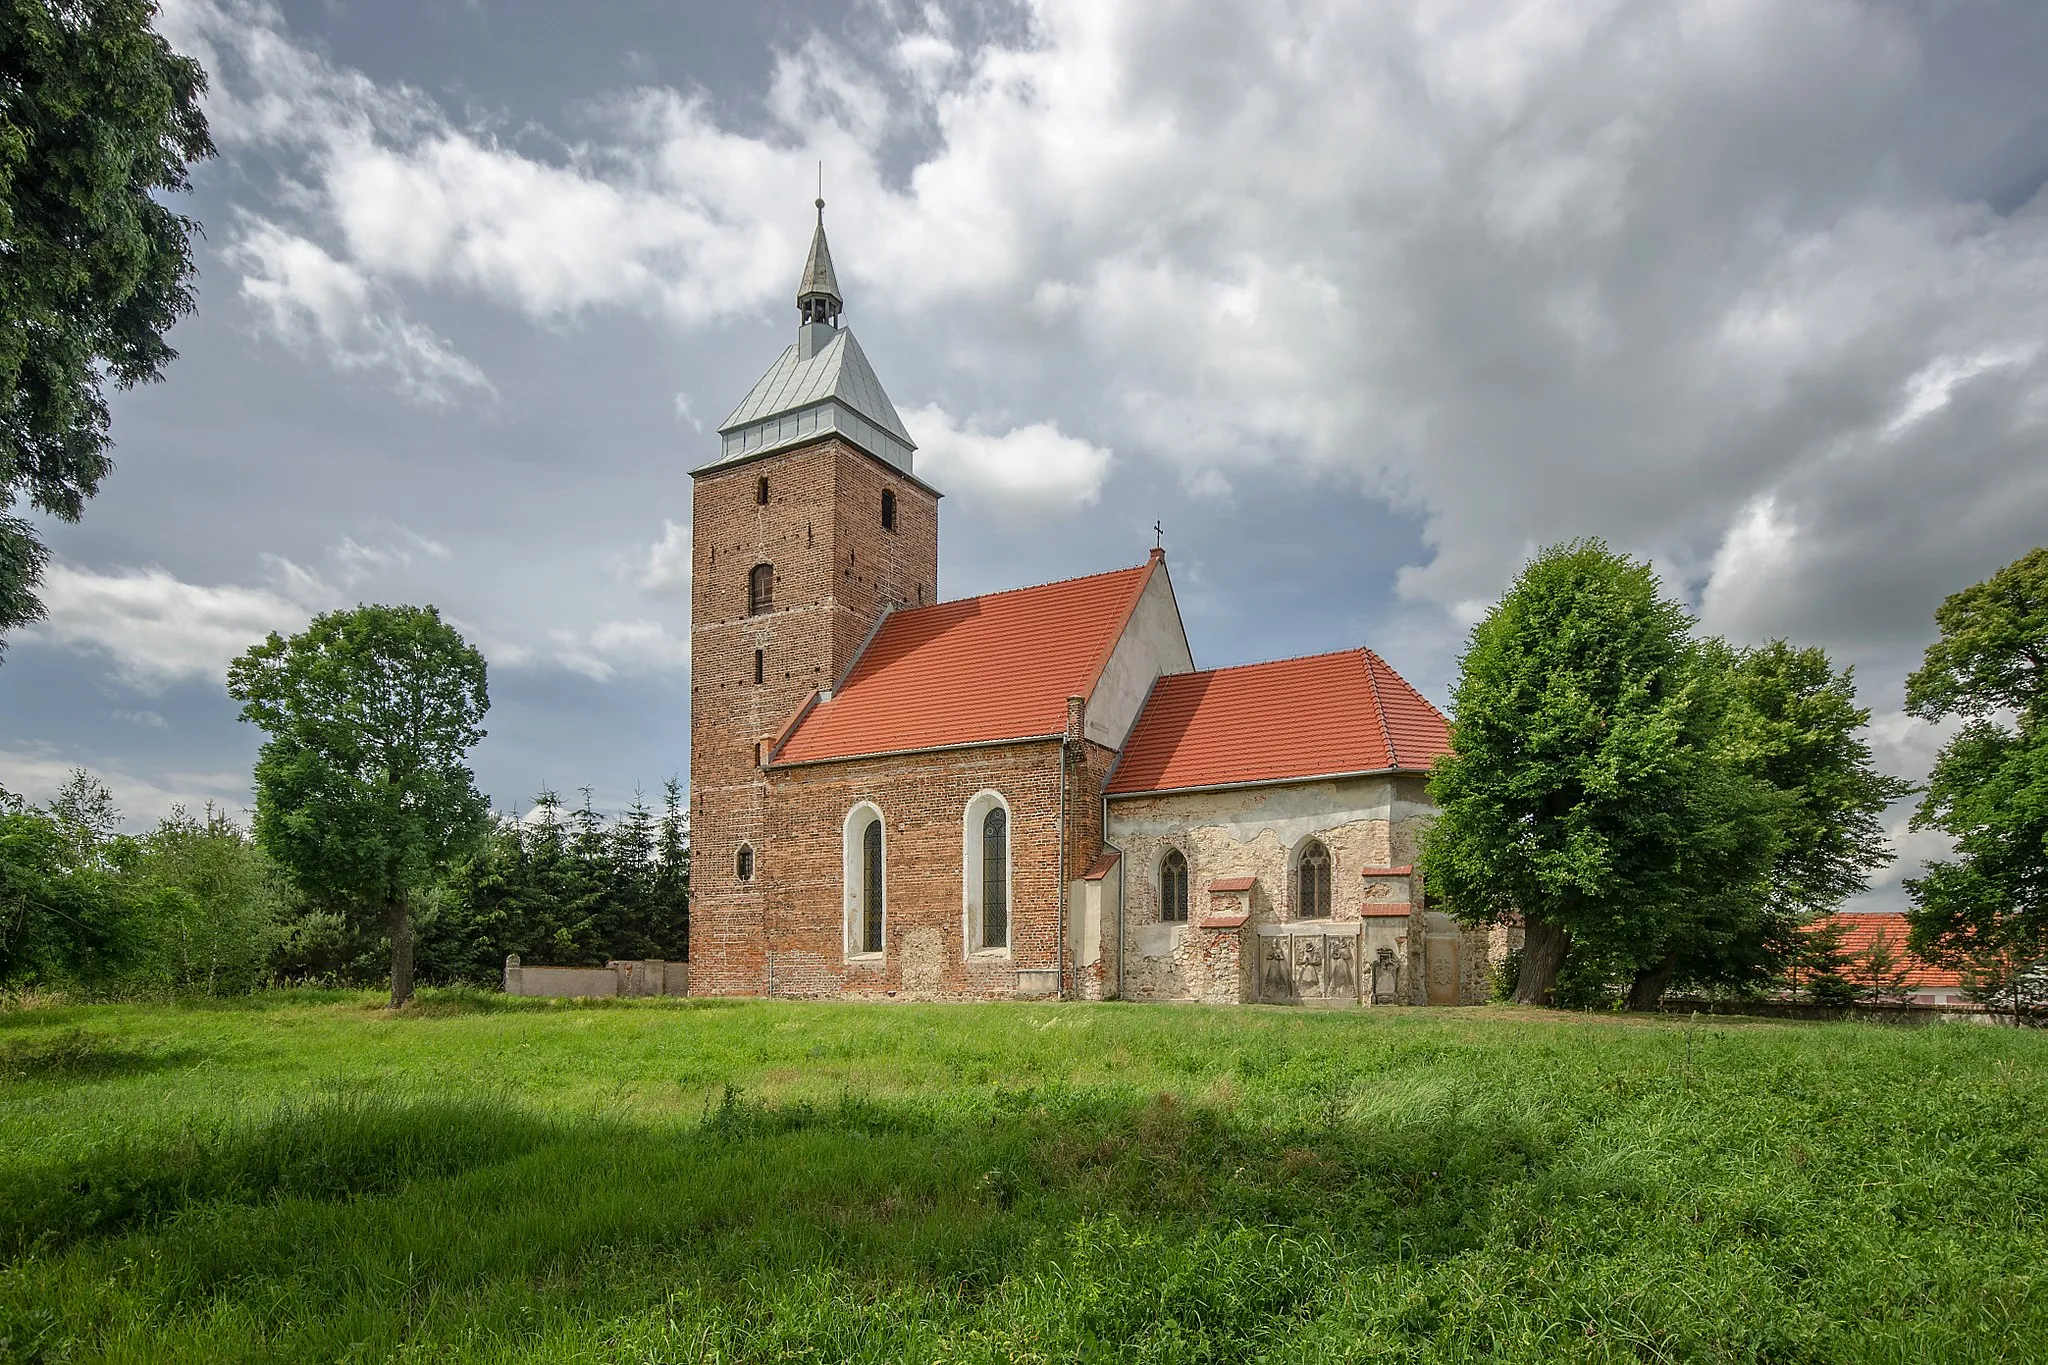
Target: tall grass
point(310, 1179)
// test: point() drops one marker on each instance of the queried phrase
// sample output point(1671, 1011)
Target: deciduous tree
point(1586, 789)
point(1989, 787)
point(98, 116)
point(363, 792)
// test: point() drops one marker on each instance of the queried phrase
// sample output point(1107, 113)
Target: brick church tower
point(807, 530)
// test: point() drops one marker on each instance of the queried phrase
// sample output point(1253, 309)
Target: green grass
point(303, 1177)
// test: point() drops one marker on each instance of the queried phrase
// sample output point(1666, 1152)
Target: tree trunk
point(1544, 946)
point(398, 924)
point(1646, 992)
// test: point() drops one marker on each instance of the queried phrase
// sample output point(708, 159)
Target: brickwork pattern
point(835, 571)
point(923, 799)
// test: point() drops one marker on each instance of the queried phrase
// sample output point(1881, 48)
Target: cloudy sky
point(1362, 301)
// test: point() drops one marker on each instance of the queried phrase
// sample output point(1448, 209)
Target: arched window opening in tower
point(1173, 887)
point(1312, 882)
point(760, 666)
point(888, 510)
point(761, 491)
point(761, 590)
point(743, 865)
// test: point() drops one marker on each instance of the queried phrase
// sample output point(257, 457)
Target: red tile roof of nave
point(995, 667)
point(1860, 930)
point(1292, 718)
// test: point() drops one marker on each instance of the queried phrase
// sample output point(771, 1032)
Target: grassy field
point(304, 1178)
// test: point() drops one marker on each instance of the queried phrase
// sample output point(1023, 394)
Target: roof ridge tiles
point(1011, 592)
point(1268, 663)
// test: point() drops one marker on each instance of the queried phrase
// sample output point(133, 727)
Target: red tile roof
point(1100, 868)
point(974, 670)
point(1329, 713)
point(1386, 910)
point(1402, 871)
point(1232, 921)
point(1230, 886)
point(1859, 931)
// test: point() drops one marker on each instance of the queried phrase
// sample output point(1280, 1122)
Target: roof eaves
point(720, 466)
point(1263, 782)
point(924, 749)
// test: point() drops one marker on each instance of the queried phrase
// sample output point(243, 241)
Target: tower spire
point(817, 293)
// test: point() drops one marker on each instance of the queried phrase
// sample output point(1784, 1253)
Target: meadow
point(306, 1177)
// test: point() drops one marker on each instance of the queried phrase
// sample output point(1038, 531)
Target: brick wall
point(922, 798)
point(835, 570)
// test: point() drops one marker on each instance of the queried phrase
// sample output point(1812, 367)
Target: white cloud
point(1748, 572)
point(1028, 472)
point(149, 720)
point(663, 568)
point(612, 648)
point(156, 629)
point(390, 549)
point(38, 772)
point(319, 305)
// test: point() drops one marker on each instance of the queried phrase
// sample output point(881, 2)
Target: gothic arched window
point(761, 589)
point(995, 878)
point(871, 888)
point(1173, 887)
point(1312, 882)
point(744, 863)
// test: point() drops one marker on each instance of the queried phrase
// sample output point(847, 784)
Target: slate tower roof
point(821, 385)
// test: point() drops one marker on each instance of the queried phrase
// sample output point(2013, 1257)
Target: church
point(1031, 794)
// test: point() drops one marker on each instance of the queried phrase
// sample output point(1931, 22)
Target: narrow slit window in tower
point(888, 510)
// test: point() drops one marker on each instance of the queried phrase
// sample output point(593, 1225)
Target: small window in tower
point(761, 589)
point(761, 491)
point(744, 864)
point(760, 666)
point(888, 510)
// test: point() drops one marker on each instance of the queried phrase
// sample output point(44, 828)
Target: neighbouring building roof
point(973, 671)
point(1274, 722)
point(803, 397)
point(1861, 930)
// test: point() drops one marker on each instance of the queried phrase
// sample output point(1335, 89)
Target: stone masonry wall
point(1365, 823)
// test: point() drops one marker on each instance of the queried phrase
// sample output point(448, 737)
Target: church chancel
point(1026, 794)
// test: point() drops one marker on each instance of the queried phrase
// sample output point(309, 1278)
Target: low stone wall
point(641, 977)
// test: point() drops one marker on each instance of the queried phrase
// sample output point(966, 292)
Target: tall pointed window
point(995, 879)
point(761, 590)
point(1173, 887)
point(871, 888)
point(888, 510)
point(1312, 882)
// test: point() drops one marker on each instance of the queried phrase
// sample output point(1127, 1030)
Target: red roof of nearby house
point(1859, 931)
point(982, 668)
point(1293, 718)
